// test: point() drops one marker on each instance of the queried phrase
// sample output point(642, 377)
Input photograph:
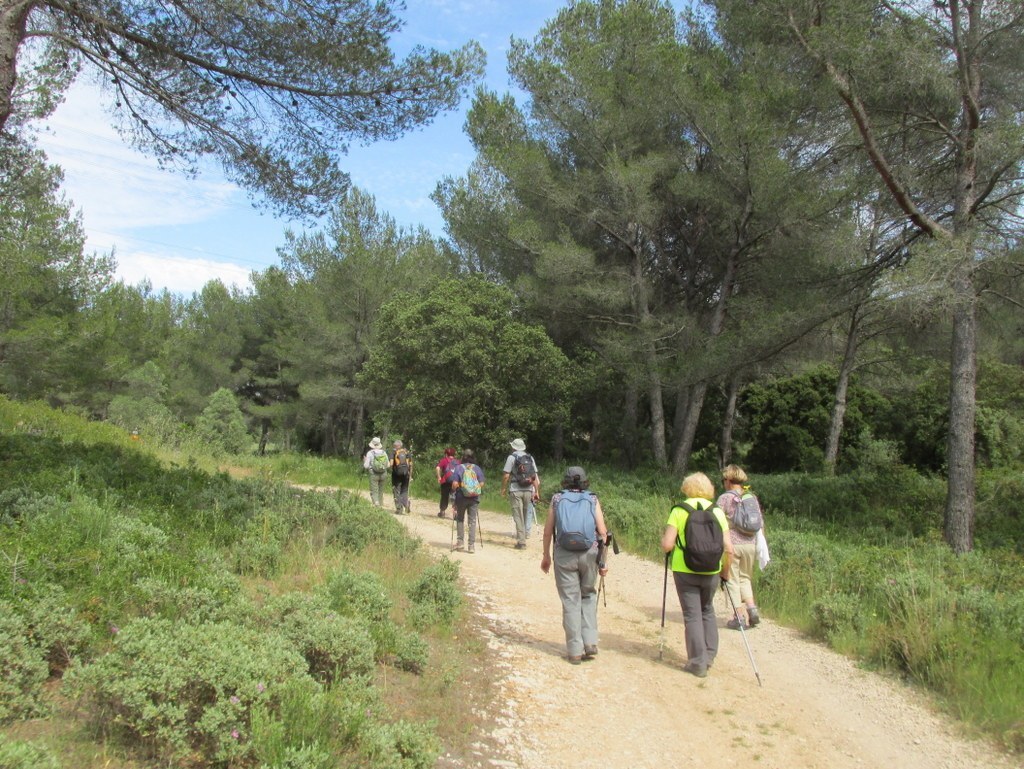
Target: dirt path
point(627, 708)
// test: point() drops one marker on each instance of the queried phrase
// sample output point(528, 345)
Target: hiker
point(576, 526)
point(445, 469)
point(743, 510)
point(700, 551)
point(520, 483)
point(401, 477)
point(468, 485)
point(376, 463)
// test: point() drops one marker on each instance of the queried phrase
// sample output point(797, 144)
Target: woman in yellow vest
point(696, 566)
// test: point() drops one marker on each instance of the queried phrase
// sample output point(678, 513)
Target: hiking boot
point(695, 670)
point(753, 617)
point(736, 623)
point(471, 549)
point(589, 651)
point(459, 546)
point(441, 514)
point(575, 660)
point(520, 545)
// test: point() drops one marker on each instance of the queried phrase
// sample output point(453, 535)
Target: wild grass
point(183, 617)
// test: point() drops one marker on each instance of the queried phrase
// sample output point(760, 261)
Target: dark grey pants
point(697, 599)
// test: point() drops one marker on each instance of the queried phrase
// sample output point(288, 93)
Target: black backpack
point(524, 469)
point(705, 541)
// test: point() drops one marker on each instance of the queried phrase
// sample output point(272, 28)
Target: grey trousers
point(697, 599)
point(377, 488)
point(520, 500)
point(576, 579)
point(467, 508)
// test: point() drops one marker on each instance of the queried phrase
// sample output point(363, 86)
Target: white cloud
point(178, 274)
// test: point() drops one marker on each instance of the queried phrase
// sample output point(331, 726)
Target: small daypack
point(576, 520)
point(470, 483)
point(401, 463)
point(379, 462)
point(705, 542)
point(524, 469)
point(448, 470)
point(747, 515)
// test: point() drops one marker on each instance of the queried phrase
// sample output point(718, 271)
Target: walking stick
point(479, 529)
point(601, 589)
point(664, 598)
point(743, 633)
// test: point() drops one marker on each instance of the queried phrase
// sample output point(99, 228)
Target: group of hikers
point(707, 543)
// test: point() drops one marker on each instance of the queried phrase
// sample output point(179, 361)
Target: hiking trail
point(629, 709)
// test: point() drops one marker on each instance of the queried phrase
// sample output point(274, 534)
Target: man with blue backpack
point(468, 484)
point(576, 528)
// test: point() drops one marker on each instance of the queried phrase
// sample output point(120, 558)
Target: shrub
point(192, 605)
point(435, 595)
point(312, 728)
point(359, 525)
point(23, 668)
point(358, 595)
point(181, 691)
point(401, 745)
point(54, 627)
point(15, 754)
point(410, 651)
point(334, 647)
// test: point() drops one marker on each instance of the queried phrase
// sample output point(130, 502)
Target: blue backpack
point(576, 520)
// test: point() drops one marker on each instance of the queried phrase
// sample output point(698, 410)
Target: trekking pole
point(664, 599)
point(743, 633)
point(479, 529)
point(601, 589)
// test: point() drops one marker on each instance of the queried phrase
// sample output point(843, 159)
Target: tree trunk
point(359, 431)
point(684, 443)
point(13, 18)
point(729, 422)
point(630, 419)
point(835, 428)
point(558, 445)
point(264, 436)
point(657, 415)
point(959, 514)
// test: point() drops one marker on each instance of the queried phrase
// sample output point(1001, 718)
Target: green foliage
point(54, 626)
point(17, 754)
point(221, 426)
point(358, 594)
point(789, 419)
point(334, 647)
point(520, 378)
point(23, 668)
point(435, 595)
point(179, 690)
point(359, 525)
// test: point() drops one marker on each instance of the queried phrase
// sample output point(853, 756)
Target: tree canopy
point(275, 91)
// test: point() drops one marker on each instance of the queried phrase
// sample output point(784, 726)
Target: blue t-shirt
point(460, 470)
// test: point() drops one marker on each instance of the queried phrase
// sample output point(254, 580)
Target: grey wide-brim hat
point(575, 472)
point(518, 444)
point(375, 443)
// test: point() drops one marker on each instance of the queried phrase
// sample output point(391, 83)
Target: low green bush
point(435, 595)
point(54, 627)
point(358, 594)
point(23, 668)
point(334, 647)
point(18, 754)
point(185, 691)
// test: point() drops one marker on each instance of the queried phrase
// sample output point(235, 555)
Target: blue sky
point(179, 232)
